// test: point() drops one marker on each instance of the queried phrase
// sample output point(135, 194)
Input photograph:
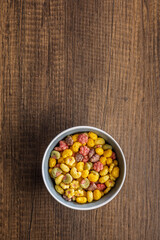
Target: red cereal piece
point(85, 159)
point(101, 186)
point(98, 166)
point(57, 165)
point(83, 138)
point(113, 156)
point(58, 149)
point(98, 146)
point(63, 145)
point(84, 150)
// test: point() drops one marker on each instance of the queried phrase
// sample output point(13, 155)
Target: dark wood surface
point(67, 63)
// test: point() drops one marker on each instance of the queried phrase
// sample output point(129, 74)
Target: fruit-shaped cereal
point(85, 183)
point(55, 172)
point(67, 178)
point(55, 154)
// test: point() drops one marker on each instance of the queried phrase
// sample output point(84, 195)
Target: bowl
point(106, 198)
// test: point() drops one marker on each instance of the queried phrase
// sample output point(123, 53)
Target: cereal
point(101, 186)
point(79, 157)
point(81, 199)
point(80, 166)
point(90, 142)
point(67, 153)
point(83, 167)
point(98, 166)
point(100, 141)
point(85, 183)
point(89, 196)
point(83, 138)
point(96, 194)
point(55, 154)
point(52, 162)
point(95, 158)
point(69, 141)
point(104, 171)
point(59, 179)
point(64, 167)
point(103, 179)
point(85, 159)
point(108, 153)
point(67, 178)
point(91, 153)
point(115, 172)
point(99, 151)
point(84, 150)
point(93, 135)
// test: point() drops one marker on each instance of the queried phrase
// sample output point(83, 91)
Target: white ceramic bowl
point(106, 198)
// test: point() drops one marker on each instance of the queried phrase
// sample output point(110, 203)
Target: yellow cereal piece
point(103, 160)
point(115, 172)
point(93, 135)
point(52, 162)
point(70, 161)
point(110, 183)
point(61, 160)
point(59, 179)
point(81, 199)
point(104, 171)
point(64, 167)
point(111, 177)
point(74, 184)
point(99, 151)
point(102, 193)
point(64, 186)
point(85, 173)
point(75, 147)
point(59, 189)
point(103, 179)
point(69, 192)
point(90, 142)
point(75, 137)
point(89, 196)
point(80, 166)
point(80, 193)
point(93, 177)
point(74, 173)
point(96, 194)
point(115, 163)
point(108, 153)
point(67, 153)
point(109, 161)
point(111, 168)
point(99, 141)
point(50, 170)
point(107, 190)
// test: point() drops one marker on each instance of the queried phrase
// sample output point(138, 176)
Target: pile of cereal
point(84, 167)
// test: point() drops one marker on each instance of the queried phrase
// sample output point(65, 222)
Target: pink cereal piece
point(57, 174)
point(82, 182)
point(58, 149)
point(113, 156)
point(63, 145)
point(98, 166)
point(101, 186)
point(84, 150)
point(57, 165)
point(85, 159)
point(83, 138)
point(98, 146)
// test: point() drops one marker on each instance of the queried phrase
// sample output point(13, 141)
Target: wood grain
point(67, 63)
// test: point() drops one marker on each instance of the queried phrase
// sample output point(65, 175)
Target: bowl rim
point(78, 128)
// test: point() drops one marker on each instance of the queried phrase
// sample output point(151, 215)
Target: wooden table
point(68, 63)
